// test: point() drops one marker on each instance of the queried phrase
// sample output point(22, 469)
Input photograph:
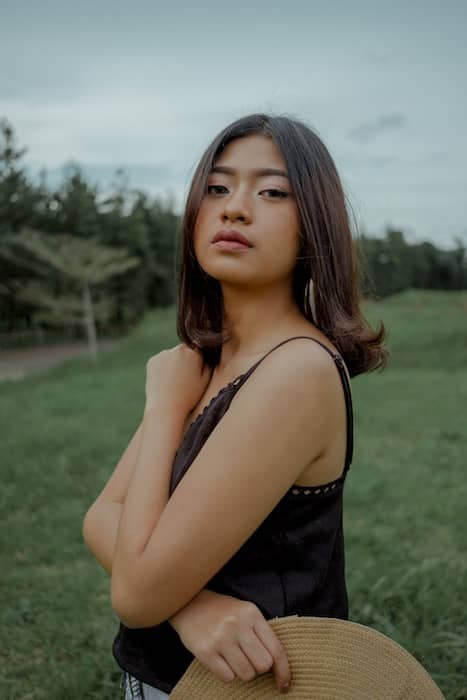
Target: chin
point(222, 267)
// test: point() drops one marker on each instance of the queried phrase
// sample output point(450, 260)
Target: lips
point(231, 235)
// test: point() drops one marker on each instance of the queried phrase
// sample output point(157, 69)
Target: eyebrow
point(258, 172)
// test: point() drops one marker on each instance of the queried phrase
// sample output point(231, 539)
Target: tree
point(17, 196)
point(66, 269)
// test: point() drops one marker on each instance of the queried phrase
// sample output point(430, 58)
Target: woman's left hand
point(231, 637)
point(176, 380)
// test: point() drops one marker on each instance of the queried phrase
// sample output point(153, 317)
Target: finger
point(218, 666)
point(281, 667)
point(256, 652)
point(238, 661)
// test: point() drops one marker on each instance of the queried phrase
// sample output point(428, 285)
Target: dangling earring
point(310, 291)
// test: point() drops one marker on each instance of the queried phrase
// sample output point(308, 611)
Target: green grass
point(406, 531)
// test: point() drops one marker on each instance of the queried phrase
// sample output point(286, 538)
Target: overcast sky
point(146, 86)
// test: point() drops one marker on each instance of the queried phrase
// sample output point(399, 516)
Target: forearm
point(194, 607)
point(100, 528)
point(148, 490)
point(100, 524)
point(100, 534)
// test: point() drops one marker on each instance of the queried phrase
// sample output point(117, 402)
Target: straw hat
point(330, 659)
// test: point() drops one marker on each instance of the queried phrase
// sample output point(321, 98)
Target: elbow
point(121, 602)
point(87, 527)
point(135, 609)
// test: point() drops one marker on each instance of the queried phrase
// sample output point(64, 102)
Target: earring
point(310, 291)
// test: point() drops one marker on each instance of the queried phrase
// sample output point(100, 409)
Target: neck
point(256, 318)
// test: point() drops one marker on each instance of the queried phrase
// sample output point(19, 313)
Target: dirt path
point(16, 364)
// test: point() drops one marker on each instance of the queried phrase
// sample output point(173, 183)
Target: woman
point(225, 509)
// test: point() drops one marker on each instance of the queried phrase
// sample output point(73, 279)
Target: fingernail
point(285, 688)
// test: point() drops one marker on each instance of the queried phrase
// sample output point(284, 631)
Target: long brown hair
point(327, 255)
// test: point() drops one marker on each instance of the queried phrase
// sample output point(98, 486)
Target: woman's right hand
point(231, 638)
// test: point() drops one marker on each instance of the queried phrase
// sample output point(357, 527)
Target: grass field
point(405, 506)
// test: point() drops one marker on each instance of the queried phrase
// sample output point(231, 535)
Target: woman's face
point(260, 206)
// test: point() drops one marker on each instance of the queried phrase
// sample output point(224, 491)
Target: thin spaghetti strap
point(253, 367)
point(345, 383)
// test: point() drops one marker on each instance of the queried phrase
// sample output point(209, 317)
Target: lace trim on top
point(208, 405)
point(322, 489)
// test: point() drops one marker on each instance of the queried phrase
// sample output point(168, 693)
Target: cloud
point(369, 130)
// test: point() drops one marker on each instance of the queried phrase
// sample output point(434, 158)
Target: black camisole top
point(292, 564)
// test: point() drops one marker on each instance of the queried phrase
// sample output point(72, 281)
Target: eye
point(281, 194)
point(276, 194)
point(210, 187)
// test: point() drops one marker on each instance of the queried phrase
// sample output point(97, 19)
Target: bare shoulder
point(312, 331)
point(303, 374)
point(309, 330)
point(299, 354)
point(305, 377)
point(297, 371)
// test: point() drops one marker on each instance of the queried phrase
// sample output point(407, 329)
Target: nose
point(237, 206)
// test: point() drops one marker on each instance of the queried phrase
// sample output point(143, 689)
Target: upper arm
point(275, 426)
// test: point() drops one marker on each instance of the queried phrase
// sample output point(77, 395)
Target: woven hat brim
point(330, 659)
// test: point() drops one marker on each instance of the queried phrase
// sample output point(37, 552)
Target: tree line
point(76, 261)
